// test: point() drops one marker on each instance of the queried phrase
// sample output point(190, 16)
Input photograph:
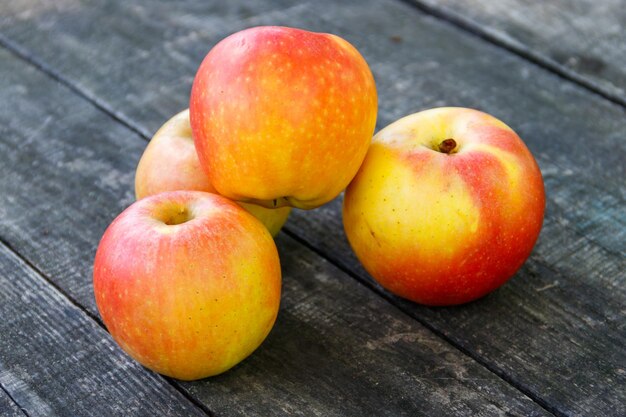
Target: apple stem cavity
point(447, 146)
point(173, 216)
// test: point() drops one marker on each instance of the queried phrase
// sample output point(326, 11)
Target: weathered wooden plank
point(420, 63)
point(55, 360)
point(8, 408)
point(97, 32)
point(583, 39)
point(557, 326)
point(337, 349)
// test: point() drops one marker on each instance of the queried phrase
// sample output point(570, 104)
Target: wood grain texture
point(8, 408)
point(97, 34)
point(338, 349)
point(557, 330)
point(55, 360)
point(584, 39)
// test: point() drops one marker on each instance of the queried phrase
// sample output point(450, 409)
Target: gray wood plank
point(66, 170)
point(8, 408)
point(337, 350)
point(583, 39)
point(56, 360)
point(537, 332)
point(96, 32)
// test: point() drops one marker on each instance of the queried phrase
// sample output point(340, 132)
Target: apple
point(446, 207)
point(282, 116)
point(170, 163)
point(187, 283)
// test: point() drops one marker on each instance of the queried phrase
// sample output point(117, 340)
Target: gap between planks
point(471, 27)
point(23, 54)
point(8, 394)
point(387, 297)
point(95, 318)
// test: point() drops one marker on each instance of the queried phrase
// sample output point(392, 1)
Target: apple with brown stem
point(446, 207)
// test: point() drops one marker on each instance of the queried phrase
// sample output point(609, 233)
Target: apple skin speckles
point(255, 94)
point(439, 228)
point(170, 163)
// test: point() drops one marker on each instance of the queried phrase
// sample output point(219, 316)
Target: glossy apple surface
point(282, 116)
point(187, 283)
point(446, 207)
point(170, 163)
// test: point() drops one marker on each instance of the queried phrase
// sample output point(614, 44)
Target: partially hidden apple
point(170, 163)
point(446, 207)
point(282, 116)
point(187, 283)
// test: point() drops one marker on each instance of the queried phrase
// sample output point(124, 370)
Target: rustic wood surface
point(330, 329)
point(8, 407)
point(55, 360)
point(87, 83)
point(582, 40)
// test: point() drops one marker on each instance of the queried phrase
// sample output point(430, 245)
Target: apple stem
point(447, 146)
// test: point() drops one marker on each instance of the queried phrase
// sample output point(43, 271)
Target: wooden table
point(83, 85)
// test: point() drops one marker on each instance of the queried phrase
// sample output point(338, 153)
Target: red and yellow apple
point(187, 283)
point(170, 163)
point(446, 207)
point(282, 116)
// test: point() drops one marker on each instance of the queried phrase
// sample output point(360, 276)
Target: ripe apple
point(170, 163)
point(282, 116)
point(187, 282)
point(446, 207)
